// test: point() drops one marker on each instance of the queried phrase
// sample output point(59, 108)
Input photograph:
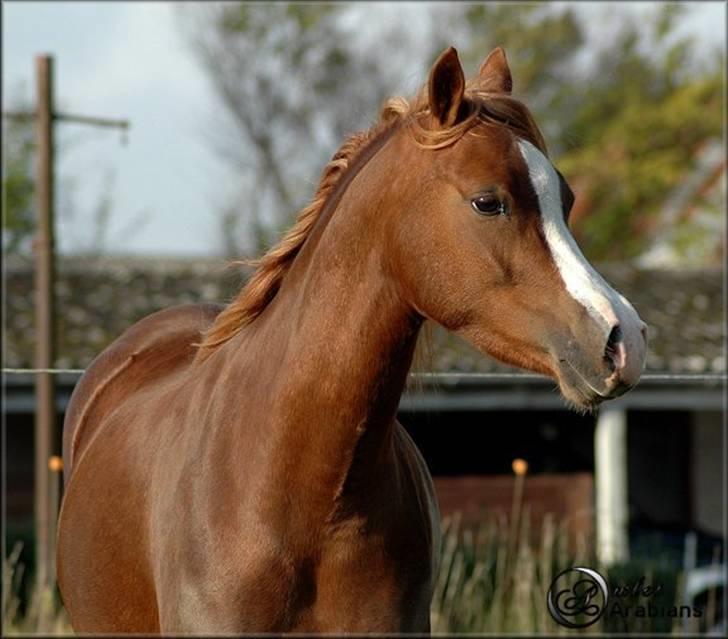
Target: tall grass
point(494, 576)
point(493, 579)
point(41, 614)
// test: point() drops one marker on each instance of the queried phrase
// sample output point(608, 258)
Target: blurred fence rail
point(708, 378)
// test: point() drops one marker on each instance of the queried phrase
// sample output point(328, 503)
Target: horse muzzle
point(592, 368)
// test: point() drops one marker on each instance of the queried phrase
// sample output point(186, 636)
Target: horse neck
point(343, 340)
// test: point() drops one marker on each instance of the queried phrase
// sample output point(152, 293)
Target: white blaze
point(582, 282)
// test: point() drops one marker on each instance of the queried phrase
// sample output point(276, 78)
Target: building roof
point(97, 299)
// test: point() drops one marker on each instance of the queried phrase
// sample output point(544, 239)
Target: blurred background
point(235, 108)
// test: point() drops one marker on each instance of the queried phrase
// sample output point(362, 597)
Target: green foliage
point(625, 116)
point(626, 131)
point(636, 158)
point(18, 186)
point(641, 131)
point(539, 44)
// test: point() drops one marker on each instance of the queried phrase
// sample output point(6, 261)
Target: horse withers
point(241, 469)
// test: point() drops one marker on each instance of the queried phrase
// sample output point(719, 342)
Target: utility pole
point(44, 247)
point(47, 466)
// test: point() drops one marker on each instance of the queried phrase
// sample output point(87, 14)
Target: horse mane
point(482, 107)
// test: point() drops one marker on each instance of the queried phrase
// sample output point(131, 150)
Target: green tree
point(18, 185)
point(641, 124)
point(625, 119)
point(626, 128)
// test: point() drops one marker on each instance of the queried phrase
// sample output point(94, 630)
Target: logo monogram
point(577, 593)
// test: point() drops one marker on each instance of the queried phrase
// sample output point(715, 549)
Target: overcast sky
point(129, 60)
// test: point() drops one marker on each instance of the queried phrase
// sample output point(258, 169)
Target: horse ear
point(495, 75)
point(446, 88)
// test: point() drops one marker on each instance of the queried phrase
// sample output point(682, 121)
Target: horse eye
point(488, 205)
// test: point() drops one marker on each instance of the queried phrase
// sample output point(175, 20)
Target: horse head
point(481, 243)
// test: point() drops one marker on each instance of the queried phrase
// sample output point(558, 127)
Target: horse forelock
point(262, 287)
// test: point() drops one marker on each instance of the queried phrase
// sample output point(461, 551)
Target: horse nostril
point(614, 350)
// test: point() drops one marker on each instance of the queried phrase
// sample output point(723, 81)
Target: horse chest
point(371, 571)
point(352, 582)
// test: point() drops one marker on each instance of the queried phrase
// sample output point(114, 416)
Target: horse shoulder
point(154, 348)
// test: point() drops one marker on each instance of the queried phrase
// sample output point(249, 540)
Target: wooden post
point(47, 466)
point(45, 416)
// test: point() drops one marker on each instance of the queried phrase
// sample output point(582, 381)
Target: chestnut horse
point(241, 469)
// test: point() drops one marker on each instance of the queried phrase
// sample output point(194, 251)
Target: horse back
point(156, 347)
